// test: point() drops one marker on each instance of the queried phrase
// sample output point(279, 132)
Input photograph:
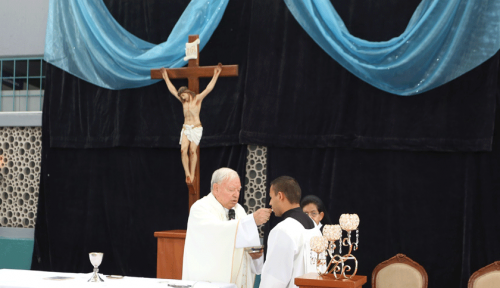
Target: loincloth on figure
point(192, 133)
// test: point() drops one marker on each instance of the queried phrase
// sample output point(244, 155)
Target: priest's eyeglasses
point(312, 214)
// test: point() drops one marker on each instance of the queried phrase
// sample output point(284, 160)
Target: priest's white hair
point(222, 174)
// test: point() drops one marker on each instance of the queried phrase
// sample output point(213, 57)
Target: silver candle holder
point(320, 245)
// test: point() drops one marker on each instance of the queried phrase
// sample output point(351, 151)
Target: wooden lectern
point(313, 280)
point(170, 253)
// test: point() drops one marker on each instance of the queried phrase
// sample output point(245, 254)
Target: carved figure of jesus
point(191, 129)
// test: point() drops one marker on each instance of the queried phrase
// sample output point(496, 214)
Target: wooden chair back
point(399, 272)
point(486, 277)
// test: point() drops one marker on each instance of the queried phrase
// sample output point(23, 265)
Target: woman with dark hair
point(314, 207)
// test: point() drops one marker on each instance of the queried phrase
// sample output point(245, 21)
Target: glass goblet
point(96, 259)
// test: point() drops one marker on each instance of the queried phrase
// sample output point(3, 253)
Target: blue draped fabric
point(85, 40)
point(443, 40)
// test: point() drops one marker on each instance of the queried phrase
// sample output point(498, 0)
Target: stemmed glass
point(96, 259)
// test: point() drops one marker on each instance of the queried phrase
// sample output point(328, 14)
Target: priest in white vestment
point(214, 249)
point(288, 248)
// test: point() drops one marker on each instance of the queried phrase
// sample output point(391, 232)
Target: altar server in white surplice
point(288, 248)
point(214, 249)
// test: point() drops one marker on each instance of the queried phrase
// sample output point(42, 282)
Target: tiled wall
point(20, 152)
point(255, 179)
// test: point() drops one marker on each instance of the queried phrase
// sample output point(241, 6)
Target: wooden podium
point(170, 253)
point(313, 280)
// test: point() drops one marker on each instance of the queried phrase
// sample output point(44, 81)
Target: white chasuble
point(288, 253)
point(214, 245)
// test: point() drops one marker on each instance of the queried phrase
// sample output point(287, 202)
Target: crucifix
point(191, 134)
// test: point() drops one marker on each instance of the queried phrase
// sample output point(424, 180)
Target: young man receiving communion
point(288, 249)
point(218, 231)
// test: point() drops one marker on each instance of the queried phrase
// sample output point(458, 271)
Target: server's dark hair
point(289, 186)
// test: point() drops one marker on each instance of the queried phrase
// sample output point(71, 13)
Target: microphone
point(231, 214)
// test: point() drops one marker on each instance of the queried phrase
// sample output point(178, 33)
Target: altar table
point(39, 279)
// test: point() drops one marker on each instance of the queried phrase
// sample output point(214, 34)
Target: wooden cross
point(193, 72)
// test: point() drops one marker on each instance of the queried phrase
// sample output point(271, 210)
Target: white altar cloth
point(39, 279)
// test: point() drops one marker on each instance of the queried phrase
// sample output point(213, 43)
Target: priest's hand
point(256, 255)
point(262, 215)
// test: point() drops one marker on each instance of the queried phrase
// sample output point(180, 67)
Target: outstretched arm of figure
point(211, 85)
point(170, 86)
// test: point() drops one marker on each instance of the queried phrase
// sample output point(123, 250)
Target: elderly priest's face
point(227, 192)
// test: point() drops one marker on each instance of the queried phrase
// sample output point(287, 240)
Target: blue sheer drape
point(85, 40)
point(444, 39)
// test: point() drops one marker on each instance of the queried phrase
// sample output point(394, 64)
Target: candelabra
point(327, 244)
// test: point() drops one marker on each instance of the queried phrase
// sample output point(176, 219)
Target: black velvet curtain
point(420, 171)
point(440, 209)
point(111, 170)
point(305, 99)
point(289, 92)
point(113, 200)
